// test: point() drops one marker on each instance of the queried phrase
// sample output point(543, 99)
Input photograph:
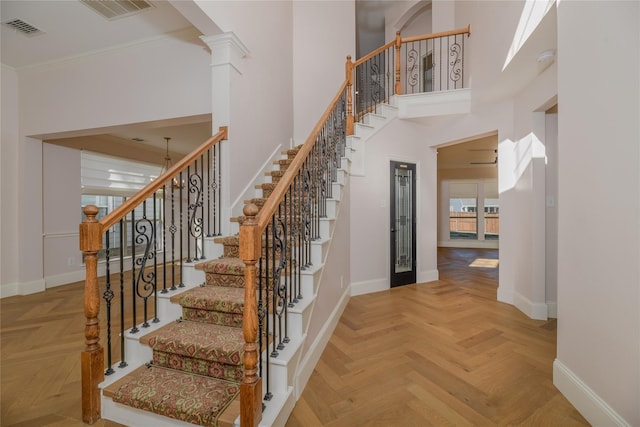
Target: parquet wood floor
point(444, 353)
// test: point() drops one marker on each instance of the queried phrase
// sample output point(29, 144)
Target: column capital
point(226, 49)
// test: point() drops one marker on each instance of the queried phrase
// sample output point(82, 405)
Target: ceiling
point(69, 29)
point(63, 21)
point(477, 153)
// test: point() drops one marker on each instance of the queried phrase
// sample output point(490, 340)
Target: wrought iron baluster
point(181, 236)
point(108, 296)
point(155, 258)
point(164, 240)
point(208, 181)
point(134, 329)
point(123, 363)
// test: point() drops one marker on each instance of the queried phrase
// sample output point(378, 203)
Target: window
point(106, 204)
point(463, 218)
point(491, 219)
point(107, 182)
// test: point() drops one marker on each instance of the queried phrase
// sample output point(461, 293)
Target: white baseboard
point(585, 400)
point(535, 310)
point(428, 276)
point(311, 357)
point(65, 278)
point(505, 295)
point(552, 309)
point(471, 244)
point(369, 286)
point(26, 288)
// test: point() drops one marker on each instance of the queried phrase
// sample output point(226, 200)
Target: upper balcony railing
point(420, 64)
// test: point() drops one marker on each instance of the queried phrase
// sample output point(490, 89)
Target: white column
point(227, 53)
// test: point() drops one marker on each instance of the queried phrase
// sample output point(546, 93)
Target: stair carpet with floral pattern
point(196, 369)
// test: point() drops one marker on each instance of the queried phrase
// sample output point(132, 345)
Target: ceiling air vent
point(112, 9)
point(23, 27)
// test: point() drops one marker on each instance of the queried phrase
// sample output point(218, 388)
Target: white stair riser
point(309, 283)
point(136, 354)
point(278, 409)
point(363, 131)
point(374, 119)
point(336, 191)
point(299, 320)
point(129, 416)
point(192, 277)
point(319, 251)
point(326, 227)
point(332, 208)
point(282, 368)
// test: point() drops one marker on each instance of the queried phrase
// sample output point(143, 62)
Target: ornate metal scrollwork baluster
point(144, 232)
point(195, 204)
point(108, 297)
point(455, 63)
point(413, 68)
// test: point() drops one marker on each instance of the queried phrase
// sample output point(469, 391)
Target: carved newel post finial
point(90, 211)
point(250, 211)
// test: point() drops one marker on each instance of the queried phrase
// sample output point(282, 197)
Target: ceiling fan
point(494, 162)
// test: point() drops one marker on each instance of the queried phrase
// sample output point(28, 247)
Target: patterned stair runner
point(197, 361)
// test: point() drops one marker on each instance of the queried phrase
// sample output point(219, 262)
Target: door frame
point(410, 277)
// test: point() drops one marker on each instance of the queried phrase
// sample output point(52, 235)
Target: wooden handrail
point(374, 53)
point(270, 206)
point(154, 186)
point(438, 35)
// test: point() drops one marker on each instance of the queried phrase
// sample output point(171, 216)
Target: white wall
point(163, 78)
point(370, 231)
point(9, 157)
point(319, 58)
point(261, 112)
point(597, 364)
point(551, 219)
point(136, 84)
point(61, 203)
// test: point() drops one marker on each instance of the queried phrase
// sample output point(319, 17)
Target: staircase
point(196, 365)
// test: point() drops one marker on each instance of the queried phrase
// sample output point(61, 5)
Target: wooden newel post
point(398, 88)
point(349, 74)
point(251, 387)
point(92, 358)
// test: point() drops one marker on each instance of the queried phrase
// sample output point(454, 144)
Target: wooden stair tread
point(219, 298)
point(198, 340)
point(225, 419)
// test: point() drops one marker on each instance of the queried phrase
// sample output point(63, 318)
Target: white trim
point(505, 294)
point(475, 244)
point(428, 276)
point(312, 355)
point(249, 191)
point(184, 34)
point(535, 310)
point(552, 309)
point(226, 49)
point(12, 289)
point(369, 286)
point(65, 278)
point(61, 235)
point(457, 101)
point(585, 400)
